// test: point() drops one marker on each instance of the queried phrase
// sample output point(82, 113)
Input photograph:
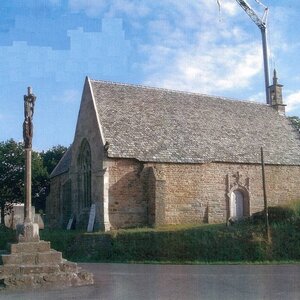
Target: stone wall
point(196, 193)
point(54, 216)
point(193, 193)
point(88, 130)
point(157, 193)
point(127, 206)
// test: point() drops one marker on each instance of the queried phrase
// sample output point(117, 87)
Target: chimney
point(276, 95)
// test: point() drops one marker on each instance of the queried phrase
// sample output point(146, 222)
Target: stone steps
point(50, 257)
point(47, 280)
point(29, 269)
point(35, 264)
point(41, 246)
point(66, 267)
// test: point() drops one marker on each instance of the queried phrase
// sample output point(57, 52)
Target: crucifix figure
point(29, 101)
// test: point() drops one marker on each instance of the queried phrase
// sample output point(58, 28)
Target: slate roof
point(159, 125)
point(64, 163)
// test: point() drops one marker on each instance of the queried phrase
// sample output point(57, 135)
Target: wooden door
point(237, 205)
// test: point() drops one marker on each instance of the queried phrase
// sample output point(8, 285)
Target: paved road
point(143, 282)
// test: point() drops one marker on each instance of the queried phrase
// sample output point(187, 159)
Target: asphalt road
point(130, 281)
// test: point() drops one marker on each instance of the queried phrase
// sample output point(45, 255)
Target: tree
point(12, 167)
point(52, 156)
point(40, 182)
point(49, 160)
point(295, 121)
point(11, 174)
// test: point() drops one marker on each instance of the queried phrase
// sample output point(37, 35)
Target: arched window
point(84, 175)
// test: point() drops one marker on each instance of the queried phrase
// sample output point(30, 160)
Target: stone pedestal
point(35, 265)
point(28, 232)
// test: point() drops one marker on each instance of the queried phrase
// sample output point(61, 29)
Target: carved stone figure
point(29, 101)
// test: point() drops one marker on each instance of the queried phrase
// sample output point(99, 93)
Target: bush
point(276, 214)
point(7, 235)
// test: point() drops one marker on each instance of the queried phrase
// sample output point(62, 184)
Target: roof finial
point(275, 79)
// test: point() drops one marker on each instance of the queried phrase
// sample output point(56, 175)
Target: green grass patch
point(244, 242)
point(213, 244)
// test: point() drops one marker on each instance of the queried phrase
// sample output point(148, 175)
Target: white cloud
point(210, 71)
point(259, 97)
point(191, 49)
point(185, 45)
point(230, 8)
point(293, 101)
point(197, 52)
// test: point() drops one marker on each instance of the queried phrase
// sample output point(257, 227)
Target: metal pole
point(265, 195)
point(266, 63)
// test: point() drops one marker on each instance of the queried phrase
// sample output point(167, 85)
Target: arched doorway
point(237, 205)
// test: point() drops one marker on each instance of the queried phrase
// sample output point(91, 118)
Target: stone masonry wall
point(197, 193)
point(158, 194)
point(87, 129)
point(127, 206)
point(53, 203)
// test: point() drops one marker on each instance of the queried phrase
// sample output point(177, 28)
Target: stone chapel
point(150, 156)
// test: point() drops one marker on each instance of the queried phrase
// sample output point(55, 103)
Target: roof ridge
point(176, 91)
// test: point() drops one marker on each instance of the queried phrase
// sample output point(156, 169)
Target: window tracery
point(84, 178)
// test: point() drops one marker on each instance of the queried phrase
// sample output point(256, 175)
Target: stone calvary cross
point(32, 263)
point(28, 231)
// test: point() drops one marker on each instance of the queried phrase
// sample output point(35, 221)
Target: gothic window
point(84, 175)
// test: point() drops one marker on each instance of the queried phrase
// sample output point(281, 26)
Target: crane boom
point(261, 24)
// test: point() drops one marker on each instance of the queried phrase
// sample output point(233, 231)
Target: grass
point(243, 242)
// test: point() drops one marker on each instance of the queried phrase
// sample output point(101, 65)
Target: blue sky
point(189, 45)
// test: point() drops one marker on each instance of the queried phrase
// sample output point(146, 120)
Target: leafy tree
point(295, 121)
point(11, 174)
point(12, 166)
point(49, 160)
point(52, 156)
point(40, 182)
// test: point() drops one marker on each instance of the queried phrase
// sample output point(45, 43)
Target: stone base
point(28, 232)
point(36, 265)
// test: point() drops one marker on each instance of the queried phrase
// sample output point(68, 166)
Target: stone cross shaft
point(28, 231)
point(29, 101)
